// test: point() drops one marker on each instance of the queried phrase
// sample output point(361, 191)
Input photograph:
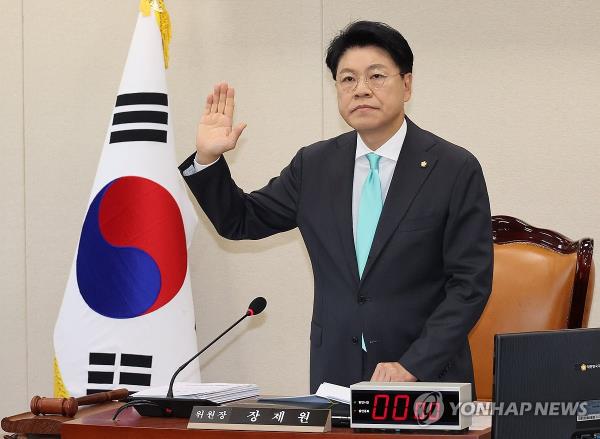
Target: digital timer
point(415, 406)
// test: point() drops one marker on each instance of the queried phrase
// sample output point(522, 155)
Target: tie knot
point(373, 161)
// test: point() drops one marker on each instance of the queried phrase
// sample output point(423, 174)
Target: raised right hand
point(215, 134)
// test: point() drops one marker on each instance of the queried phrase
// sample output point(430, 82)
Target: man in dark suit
point(396, 221)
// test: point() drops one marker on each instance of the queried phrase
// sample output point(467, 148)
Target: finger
point(222, 98)
point(376, 373)
point(387, 374)
point(230, 102)
point(215, 98)
point(208, 104)
point(236, 132)
point(392, 373)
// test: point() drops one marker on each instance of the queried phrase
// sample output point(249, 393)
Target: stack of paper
point(334, 392)
point(215, 392)
point(326, 393)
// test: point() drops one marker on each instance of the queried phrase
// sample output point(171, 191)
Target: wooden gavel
point(69, 406)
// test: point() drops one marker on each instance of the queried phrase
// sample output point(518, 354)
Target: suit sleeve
point(237, 215)
point(468, 265)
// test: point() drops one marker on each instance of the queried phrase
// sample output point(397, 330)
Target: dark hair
point(370, 33)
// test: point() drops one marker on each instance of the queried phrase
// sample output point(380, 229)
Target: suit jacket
point(429, 272)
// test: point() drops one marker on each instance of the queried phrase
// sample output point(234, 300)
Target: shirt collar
point(390, 149)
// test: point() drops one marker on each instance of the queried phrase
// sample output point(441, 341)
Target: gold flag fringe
point(60, 391)
point(162, 20)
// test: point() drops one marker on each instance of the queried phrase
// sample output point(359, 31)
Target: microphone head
point(256, 306)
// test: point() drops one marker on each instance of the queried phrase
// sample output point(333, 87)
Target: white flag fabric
point(127, 316)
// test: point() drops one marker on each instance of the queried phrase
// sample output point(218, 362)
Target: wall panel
point(13, 317)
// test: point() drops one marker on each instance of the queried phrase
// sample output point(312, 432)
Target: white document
point(216, 392)
point(334, 392)
point(326, 393)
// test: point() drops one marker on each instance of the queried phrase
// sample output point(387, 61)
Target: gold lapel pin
point(423, 164)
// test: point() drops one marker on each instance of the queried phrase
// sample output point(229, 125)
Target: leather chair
point(542, 281)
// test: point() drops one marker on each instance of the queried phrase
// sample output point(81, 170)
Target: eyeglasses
point(348, 82)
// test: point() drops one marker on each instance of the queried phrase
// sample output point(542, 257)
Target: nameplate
point(248, 417)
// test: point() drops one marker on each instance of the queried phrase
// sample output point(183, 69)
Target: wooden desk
point(130, 425)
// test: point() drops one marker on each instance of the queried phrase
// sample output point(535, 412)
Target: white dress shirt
point(389, 152)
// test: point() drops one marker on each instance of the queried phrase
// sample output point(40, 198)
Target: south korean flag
point(127, 316)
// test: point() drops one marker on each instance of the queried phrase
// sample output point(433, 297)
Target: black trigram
point(103, 368)
point(142, 116)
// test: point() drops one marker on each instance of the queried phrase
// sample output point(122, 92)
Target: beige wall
point(13, 316)
point(515, 82)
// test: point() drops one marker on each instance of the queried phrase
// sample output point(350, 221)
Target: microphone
point(256, 307)
point(182, 407)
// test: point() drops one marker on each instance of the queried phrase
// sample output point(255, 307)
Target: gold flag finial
point(162, 19)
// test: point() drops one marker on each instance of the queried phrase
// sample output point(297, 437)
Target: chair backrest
point(542, 280)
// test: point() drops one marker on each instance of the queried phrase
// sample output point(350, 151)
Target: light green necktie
point(369, 210)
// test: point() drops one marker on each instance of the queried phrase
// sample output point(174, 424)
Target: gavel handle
point(69, 406)
point(97, 398)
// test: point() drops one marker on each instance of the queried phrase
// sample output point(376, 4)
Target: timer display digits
point(381, 404)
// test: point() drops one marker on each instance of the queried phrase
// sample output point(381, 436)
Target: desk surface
point(130, 425)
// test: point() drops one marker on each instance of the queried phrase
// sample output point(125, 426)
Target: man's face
point(367, 108)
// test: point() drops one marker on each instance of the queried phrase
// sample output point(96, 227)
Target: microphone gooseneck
point(256, 307)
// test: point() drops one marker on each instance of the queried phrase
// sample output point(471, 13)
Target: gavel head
point(54, 406)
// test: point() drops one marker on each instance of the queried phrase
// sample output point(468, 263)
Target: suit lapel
point(406, 182)
point(341, 187)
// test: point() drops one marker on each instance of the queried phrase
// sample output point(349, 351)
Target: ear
point(407, 83)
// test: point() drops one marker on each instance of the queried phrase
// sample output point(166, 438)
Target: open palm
point(216, 134)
